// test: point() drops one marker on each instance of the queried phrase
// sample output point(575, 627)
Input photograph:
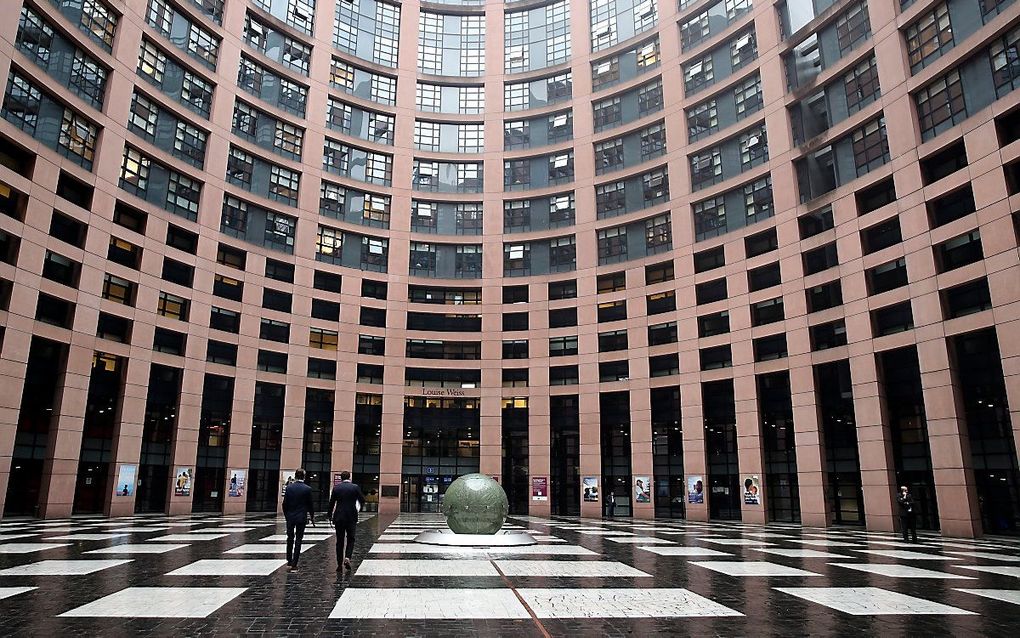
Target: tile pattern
point(584, 576)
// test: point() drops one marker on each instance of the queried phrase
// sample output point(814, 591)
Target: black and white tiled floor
point(186, 576)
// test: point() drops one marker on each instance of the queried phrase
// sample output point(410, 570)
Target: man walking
point(298, 509)
point(908, 517)
point(344, 503)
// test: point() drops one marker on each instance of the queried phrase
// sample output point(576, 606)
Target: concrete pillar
point(874, 444)
point(17, 341)
point(641, 449)
point(60, 469)
point(185, 441)
point(127, 437)
point(749, 445)
point(812, 475)
point(539, 441)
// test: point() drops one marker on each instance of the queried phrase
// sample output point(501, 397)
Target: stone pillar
point(695, 462)
point(948, 442)
point(391, 446)
point(590, 444)
point(874, 444)
point(291, 443)
point(185, 442)
point(60, 469)
point(539, 441)
point(127, 438)
point(749, 444)
point(239, 443)
point(812, 475)
point(641, 448)
point(17, 341)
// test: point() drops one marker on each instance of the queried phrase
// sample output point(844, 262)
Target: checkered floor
point(226, 574)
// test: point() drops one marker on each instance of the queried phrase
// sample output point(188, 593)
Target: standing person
point(298, 509)
point(908, 517)
point(611, 504)
point(344, 503)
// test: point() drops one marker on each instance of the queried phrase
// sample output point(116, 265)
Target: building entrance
point(440, 444)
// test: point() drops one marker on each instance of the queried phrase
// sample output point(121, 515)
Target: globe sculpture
point(475, 504)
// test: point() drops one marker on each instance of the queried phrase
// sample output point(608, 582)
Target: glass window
point(929, 36)
point(143, 116)
point(862, 85)
point(871, 148)
point(77, 138)
point(852, 27)
point(702, 120)
point(1005, 56)
point(134, 171)
point(940, 105)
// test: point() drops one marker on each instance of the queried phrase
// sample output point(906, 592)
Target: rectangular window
point(852, 27)
point(940, 105)
point(870, 146)
point(929, 37)
point(861, 85)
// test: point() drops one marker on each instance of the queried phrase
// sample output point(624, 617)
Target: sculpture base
point(516, 539)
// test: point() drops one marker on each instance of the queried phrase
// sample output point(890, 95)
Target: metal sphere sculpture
point(475, 504)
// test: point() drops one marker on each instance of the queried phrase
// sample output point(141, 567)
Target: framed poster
point(752, 491)
point(235, 484)
point(642, 489)
point(286, 478)
point(127, 478)
point(540, 488)
point(590, 489)
point(337, 480)
point(695, 489)
point(183, 477)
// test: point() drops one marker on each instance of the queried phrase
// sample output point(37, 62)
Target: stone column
point(812, 474)
point(60, 469)
point(874, 444)
point(17, 340)
point(127, 438)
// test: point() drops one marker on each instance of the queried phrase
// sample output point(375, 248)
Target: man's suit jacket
point(297, 502)
point(342, 502)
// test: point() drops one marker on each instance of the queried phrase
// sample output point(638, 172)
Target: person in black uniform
point(344, 504)
point(908, 515)
point(298, 509)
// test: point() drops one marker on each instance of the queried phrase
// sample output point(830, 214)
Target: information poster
point(127, 478)
point(336, 479)
point(286, 478)
point(540, 488)
point(590, 489)
point(752, 491)
point(695, 489)
point(182, 481)
point(642, 489)
point(235, 484)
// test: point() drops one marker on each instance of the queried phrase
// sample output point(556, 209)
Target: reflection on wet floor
point(225, 574)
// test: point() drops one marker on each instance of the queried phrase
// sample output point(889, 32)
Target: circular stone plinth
point(475, 504)
point(475, 540)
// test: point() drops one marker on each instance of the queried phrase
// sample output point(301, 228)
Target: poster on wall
point(642, 489)
point(590, 488)
point(127, 478)
point(752, 491)
point(286, 478)
point(337, 480)
point(182, 481)
point(540, 488)
point(695, 489)
point(235, 484)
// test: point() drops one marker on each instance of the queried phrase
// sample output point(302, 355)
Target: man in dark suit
point(343, 511)
point(298, 509)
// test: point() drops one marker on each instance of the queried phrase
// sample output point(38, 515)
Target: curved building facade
point(724, 259)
